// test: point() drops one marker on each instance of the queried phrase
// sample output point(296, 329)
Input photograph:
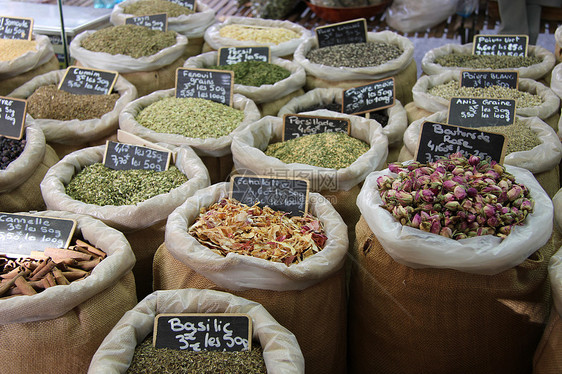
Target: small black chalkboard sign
point(500, 45)
point(373, 96)
point(297, 125)
point(20, 234)
point(121, 156)
point(478, 112)
point(209, 84)
point(440, 140)
point(16, 28)
point(354, 31)
point(87, 81)
point(286, 194)
point(152, 21)
point(203, 331)
point(190, 4)
point(488, 78)
point(12, 117)
point(234, 55)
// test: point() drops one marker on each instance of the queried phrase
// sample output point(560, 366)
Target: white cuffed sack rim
point(29, 60)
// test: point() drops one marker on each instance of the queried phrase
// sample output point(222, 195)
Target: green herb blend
point(99, 185)
point(191, 117)
point(255, 73)
point(355, 55)
point(486, 62)
point(148, 7)
point(131, 40)
point(334, 150)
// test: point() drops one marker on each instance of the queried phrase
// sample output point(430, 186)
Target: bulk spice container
point(24, 163)
point(423, 300)
point(532, 145)
point(281, 351)
point(184, 21)
point(143, 222)
point(558, 39)
point(270, 85)
point(70, 121)
point(432, 93)
point(59, 329)
point(295, 294)
point(186, 122)
point(118, 49)
point(21, 60)
point(385, 55)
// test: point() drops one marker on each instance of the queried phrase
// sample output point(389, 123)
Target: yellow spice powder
point(14, 48)
point(260, 34)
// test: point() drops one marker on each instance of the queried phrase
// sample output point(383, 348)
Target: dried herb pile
point(378, 115)
point(255, 73)
point(520, 137)
point(10, 149)
point(355, 55)
point(11, 49)
point(259, 34)
point(486, 62)
point(148, 7)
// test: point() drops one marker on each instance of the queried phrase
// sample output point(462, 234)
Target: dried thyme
point(51, 103)
point(520, 137)
point(191, 117)
point(131, 40)
point(355, 55)
point(334, 150)
point(259, 34)
point(148, 7)
point(99, 185)
point(10, 149)
point(486, 62)
point(255, 73)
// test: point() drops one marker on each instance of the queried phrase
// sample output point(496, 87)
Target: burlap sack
point(403, 69)
point(295, 295)
point(556, 80)
point(69, 136)
point(558, 43)
point(214, 41)
point(9, 84)
point(143, 223)
point(19, 182)
point(281, 351)
point(543, 160)
point(29, 60)
point(59, 330)
point(536, 72)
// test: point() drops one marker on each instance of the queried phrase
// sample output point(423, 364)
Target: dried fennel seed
point(148, 7)
point(260, 34)
point(10, 149)
point(255, 73)
point(51, 103)
point(520, 136)
point(486, 62)
point(232, 227)
point(131, 40)
point(13, 48)
point(191, 117)
point(334, 150)
point(355, 55)
point(452, 89)
point(150, 360)
point(99, 185)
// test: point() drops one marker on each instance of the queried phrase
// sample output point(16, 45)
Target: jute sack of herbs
point(533, 99)
point(267, 91)
point(324, 98)
point(542, 160)
point(556, 80)
point(67, 136)
point(528, 68)
point(322, 75)
point(18, 68)
point(422, 302)
point(281, 36)
point(184, 21)
point(143, 222)
point(296, 295)
point(59, 329)
point(19, 182)
point(146, 73)
point(213, 150)
point(116, 354)
point(558, 44)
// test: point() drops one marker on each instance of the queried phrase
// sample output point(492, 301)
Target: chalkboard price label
point(354, 31)
point(483, 79)
point(121, 156)
point(478, 112)
point(16, 28)
point(157, 22)
point(288, 195)
point(373, 96)
point(209, 84)
point(297, 125)
point(86, 81)
point(189, 4)
point(20, 234)
point(203, 332)
point(500, 45)
point(234, 55)
point(12, 117)
point(440, 140)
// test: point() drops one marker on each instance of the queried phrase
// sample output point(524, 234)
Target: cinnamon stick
point(10, 283)
point(24, 286)
point(91, 248)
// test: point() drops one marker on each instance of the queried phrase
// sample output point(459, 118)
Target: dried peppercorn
point(10, 149)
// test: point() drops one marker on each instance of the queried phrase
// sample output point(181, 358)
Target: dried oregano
point(485, 61)
point(148, 7)
point(355, 55)
point(255, 73)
